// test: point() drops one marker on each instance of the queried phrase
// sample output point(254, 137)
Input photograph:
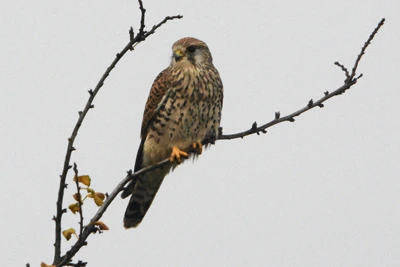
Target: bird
point(183, 110)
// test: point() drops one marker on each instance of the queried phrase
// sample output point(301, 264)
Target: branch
point(366, 44)
point(134, 40)
point(278, 119)
point(349, 81)
point(91, 228)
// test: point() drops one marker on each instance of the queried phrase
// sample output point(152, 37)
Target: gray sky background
point(323, 191)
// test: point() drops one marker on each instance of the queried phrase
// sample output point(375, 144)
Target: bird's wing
point(156, 97)
point(158, 91)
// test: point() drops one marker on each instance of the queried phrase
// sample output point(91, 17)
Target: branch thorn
point(131, 34)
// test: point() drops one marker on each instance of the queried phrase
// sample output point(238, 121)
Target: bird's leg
point(176, 154)
point(197, 147)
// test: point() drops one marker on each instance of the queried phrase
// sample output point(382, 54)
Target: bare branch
point(278, 119)
point(344, 69)
point(349, 81)
point(366, 44)
point(142, 18)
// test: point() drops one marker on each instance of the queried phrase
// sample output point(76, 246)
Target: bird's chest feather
point(190, 107)
point(190, 111)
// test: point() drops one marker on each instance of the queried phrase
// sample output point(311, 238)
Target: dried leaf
point(91, 193)
point(100, 195)
point(68, 233)
point(97, 200)
point(101, 225)
point(84, 179)
point(78, 197)
point(74, 208)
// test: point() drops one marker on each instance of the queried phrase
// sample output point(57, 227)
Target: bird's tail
point(143, 194)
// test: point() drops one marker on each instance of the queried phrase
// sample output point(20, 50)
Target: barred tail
point(143, 189)
point(143, 195)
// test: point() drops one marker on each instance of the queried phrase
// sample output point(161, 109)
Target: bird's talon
point(197, 147)
point(176, 154)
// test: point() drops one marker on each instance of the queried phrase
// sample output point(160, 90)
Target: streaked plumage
point(184, 107)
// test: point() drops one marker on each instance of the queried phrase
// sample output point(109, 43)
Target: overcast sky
point(323, 191)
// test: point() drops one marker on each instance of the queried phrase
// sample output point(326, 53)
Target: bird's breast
point(190, 112)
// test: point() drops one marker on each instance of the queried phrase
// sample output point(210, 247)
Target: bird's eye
point(191, 49)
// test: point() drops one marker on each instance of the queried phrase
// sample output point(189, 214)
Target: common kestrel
point(182, 110)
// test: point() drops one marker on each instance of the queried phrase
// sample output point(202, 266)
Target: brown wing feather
point(158, 90)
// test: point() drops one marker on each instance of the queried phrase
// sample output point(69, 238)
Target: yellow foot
point(198, 147)
point(176, 155)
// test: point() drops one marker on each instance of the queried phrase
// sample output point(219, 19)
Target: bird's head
point(190, 50)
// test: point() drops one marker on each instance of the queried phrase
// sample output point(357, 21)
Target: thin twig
point(310, 105)
point(141, 36)
point(349, 81)
point(142, 18)
point(344, 69)
point(79, 196)
point(366, 44)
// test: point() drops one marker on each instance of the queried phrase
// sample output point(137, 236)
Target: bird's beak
point(178, 55)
